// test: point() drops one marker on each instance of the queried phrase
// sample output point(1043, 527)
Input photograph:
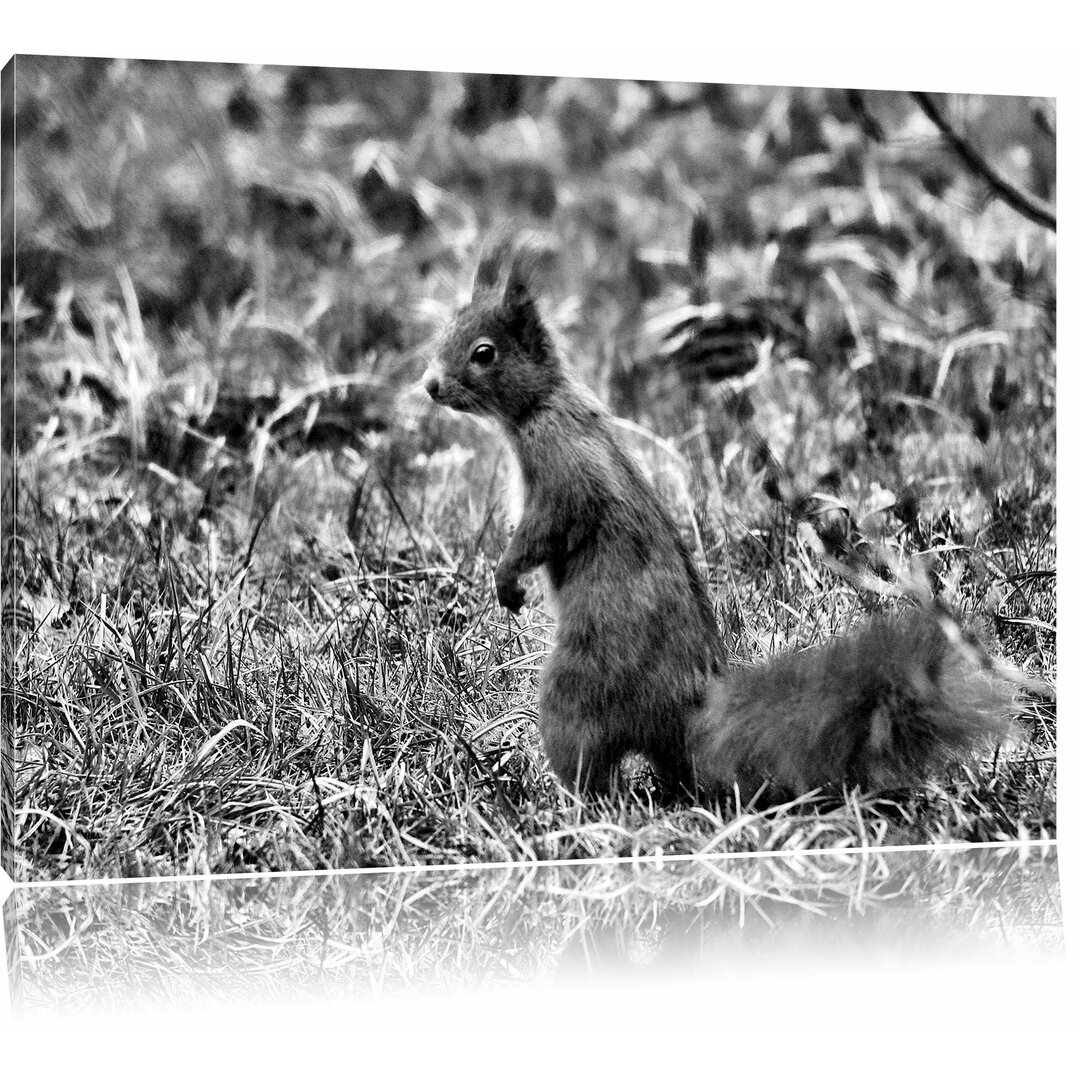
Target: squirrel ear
point(490, 268)
point(518, 306)
point(523, 255)
point(518, 290)
point(511, 260)
point(523, 318)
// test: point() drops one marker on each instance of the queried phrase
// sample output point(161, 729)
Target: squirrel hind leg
point(581, 757)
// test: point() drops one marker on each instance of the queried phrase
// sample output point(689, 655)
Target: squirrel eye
point(483, 352)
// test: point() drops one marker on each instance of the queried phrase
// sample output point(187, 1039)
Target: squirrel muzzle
point(432, 378)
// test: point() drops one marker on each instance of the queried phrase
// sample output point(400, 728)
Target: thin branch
point(1033, 208)
point(1043, 121)
point(866, 120)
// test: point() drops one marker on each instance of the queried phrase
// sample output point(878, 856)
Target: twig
point(1033, 208)
point(1041, 117)
point(869, 123)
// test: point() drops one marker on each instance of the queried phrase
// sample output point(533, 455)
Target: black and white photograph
point(613, 519)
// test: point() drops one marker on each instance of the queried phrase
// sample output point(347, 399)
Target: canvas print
point(429, 468)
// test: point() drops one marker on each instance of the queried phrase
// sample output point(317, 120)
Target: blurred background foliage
point(194, 242)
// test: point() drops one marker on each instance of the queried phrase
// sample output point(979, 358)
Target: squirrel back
point(637, 663)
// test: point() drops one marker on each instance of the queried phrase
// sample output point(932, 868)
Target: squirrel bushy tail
point(882, 708)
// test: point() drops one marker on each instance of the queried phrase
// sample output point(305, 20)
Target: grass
point(250, 615)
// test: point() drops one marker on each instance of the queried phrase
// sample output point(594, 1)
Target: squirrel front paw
point(510, 592)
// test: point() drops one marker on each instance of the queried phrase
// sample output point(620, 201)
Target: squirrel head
point(497, 358)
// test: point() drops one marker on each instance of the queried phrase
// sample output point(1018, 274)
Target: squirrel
point(638, 663)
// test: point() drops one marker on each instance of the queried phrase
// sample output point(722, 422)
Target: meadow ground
point(249, 614)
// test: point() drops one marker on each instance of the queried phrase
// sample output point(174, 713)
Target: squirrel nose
point(431, 381)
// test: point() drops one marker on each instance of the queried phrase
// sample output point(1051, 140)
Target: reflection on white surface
point(85, 948)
